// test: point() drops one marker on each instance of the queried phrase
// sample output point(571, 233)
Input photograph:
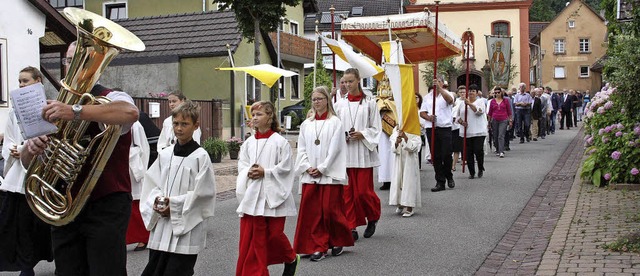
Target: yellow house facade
point(571, 44)
point(481, 18)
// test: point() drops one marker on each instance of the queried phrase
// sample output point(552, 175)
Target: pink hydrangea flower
point(636, 130)
point(608, 105)
point(605, 139)
point(590, 141)
point(608, 129)
point(591, 151)
point(616, 155)
point(632, 144)
point(607, 176)
point(601, 131)
point(601, 110)
point(619, 133)
point(634, 171)
point(620, 126)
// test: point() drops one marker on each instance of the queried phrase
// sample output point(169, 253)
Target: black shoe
point(290, 269)
point(354, 234)
point(318, 256)
point(480, 173)
point(371, 229)
point(521, 141)
point(385, 186)
point(140, 247)
point(534, 139)
point(438, 187)
point(507, 148)
point(451, 183)
point(471, 176)
point(337, 251)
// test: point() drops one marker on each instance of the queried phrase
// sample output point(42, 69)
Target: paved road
point(450, 235)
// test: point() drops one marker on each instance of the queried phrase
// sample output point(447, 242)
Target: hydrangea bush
point(612, 140)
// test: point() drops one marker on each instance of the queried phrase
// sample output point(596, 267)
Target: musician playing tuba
point(94, 243)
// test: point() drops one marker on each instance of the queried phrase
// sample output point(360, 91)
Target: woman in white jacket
point(476, 130)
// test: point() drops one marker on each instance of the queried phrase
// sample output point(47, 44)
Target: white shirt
point(329, 157)
point(476, 121)
point(458, 103)
point(271, 195)
point(444, 117)
point(14, 172)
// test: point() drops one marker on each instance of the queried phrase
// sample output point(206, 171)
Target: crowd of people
point(161, 203)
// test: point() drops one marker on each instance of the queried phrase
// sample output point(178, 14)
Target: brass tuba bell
point(59, 182)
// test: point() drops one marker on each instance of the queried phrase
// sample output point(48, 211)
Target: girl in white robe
point(178, 195)
point(321, 161)
point(263, 189)
point(405, 192)
point(167, 137)
point(138, 159)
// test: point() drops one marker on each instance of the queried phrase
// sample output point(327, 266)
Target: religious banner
point(499, 48)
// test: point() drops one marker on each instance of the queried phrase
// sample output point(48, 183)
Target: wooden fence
point(210, 114)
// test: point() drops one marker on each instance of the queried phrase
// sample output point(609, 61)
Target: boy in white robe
point(178, 195)
point(263, 190)
point(362, 127)
point(167, 137)
point(139, 153)
point(405, 192)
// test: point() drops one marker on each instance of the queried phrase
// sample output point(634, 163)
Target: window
point(115, 10)
point(293, 27)
point(280, 88)
point(558, 72)
point(4, 94)
point(572, 24)
point(357, 11)
point(295, 85)
point(219, 5)
point(584, 71)
point(558, 46)
point(585, 45)
point(500, 28)
point(58, 4)
point(325, 48)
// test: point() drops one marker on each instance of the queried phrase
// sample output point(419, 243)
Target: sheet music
point(28, 103)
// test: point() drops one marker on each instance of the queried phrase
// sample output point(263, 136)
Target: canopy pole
point(233, 93)
point(435, 89)
point(315, 55)
point(466, 110)
point(333, 55)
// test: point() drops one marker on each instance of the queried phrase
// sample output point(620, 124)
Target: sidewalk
point(561, 229)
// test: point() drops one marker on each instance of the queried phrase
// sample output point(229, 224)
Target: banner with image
point(499, 48)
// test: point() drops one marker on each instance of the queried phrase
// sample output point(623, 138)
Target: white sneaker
point(407, 214)
point(399, 210)
point(502, 155)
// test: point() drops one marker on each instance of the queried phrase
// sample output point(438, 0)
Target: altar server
point(178, 195)
point(167, 137)
point(263, 189)
point(139, 153)
point(405, 181)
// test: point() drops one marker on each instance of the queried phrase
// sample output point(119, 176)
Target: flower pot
point(233, 155)
point(215, 158)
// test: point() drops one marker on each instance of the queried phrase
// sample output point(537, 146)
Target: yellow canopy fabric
point(266, 73)
point(401, 82)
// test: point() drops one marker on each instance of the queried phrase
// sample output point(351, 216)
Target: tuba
point(59, 182)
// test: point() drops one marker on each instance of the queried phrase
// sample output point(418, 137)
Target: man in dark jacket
point(567, 107)
point(556, 103)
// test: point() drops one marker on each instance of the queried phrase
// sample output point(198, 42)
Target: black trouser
point(566, 115)
point(94, 243)
point(169, 264)
point(475, 152)
point(420, 152)
point(441, 154)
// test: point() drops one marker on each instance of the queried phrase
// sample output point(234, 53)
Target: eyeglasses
point(65, 60)
point(317, 99)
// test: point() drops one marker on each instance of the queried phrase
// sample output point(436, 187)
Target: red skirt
point(136, 232)
point(322, 223)
point(361, 201)
point(262, 243)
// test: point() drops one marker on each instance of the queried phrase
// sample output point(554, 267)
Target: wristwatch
point(77, 109)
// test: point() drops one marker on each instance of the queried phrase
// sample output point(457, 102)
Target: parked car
point(298, 109)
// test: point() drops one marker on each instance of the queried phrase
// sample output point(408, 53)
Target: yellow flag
point(365, 66)
point(401, 82)
point(266, 73)
point(392, 51)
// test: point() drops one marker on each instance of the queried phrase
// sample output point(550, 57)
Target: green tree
point(446, 67)
point(322, 78)
point(255, 18)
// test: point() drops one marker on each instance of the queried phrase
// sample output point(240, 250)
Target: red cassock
point(361, 201)
point(322, 223)
point(136, 232)
point(262, 243)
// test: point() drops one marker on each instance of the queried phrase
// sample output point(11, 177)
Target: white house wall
point(21, 26)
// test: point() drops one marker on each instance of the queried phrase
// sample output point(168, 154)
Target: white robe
point(405, 182)
point(192, 195)
point(330, 157)
point(364, 118)
point(271, 195)
point(168, 138)
point(14, 172)
point(138, 158)
point(386, 158)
